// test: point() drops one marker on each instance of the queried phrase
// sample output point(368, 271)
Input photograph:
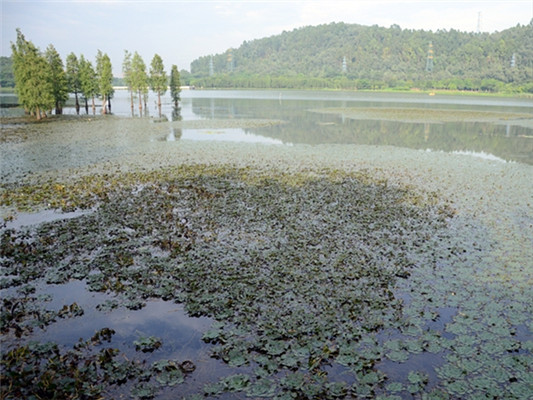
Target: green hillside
point(340, 55)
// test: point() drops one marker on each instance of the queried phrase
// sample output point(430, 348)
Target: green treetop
point(58, 78)
point(158, 79)
point(128, 77)
point(139, 77)
point(175, 85)
point(73, 77)
point(33, 84)
point(88, 82)
point(105, 78)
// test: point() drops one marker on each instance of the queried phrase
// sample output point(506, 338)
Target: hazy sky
point(183, 30)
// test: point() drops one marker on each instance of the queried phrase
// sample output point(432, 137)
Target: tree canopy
point(158, 79)
point(105, 78)
point(139, 77)
point(175, 85)
point(88, 81)
point(73, 77)
point(58, 78)
point(33, 83)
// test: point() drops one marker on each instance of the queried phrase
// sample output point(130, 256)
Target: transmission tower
point(211, 67)
point(513, 60)
point(344, 65)
point(429, 60)
point(230, 60)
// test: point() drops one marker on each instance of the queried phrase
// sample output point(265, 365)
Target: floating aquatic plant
point(302, 273)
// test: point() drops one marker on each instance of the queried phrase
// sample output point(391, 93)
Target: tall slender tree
point(88, 82)
point(73, 77)
point(175, 85)
point(139, 78)
point(58, 78)
point(32, 77)
point(105, 79)
point(127, 72)
point(158, 79)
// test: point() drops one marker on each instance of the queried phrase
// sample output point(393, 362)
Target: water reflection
point(508, 141)
point(228, 135)
point(174, 134)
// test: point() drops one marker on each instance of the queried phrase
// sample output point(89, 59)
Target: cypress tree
point(73, 77)
point(57, 78)
point(139, 77)
point(127, 71)
point(105, 79)
point(31, 71)
point(88, 82)
point(158, 79)
point(175, 85)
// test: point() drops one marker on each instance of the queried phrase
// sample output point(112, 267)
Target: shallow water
point(475, 301)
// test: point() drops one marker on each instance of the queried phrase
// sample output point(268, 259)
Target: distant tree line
point(42, 82)
point(350, 56)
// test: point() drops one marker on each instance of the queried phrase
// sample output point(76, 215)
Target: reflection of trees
point(306, 127)
point(176, 113)
point(174, 134)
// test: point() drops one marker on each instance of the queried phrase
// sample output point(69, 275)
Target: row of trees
point(43, 82)
point(138, 80)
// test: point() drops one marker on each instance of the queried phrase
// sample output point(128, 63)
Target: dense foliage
point(33, 83)
point(105, 78)
point(88, 83)
point(175, 85)
point(42, 81)
point(340, 55)
point(158, 79)
point(58, 78)
point(139, 78)
point(72, 70)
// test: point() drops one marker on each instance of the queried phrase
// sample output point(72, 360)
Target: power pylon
point(429, 60)
point(230, 60)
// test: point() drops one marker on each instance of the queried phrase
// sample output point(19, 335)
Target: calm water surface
point(509, 141)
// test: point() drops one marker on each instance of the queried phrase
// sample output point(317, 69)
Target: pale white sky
point(183, 30)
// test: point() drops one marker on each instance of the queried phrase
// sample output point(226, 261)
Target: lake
point(506, 138)
point(296, 244)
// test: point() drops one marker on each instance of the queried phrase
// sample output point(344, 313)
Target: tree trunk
point(140, 104)
point(104, 105)
point(159, 103)
point(38, 114)
point(109, 102)
point(131, 102)
point(86, 106)
point(77, 104)
point(94, 107)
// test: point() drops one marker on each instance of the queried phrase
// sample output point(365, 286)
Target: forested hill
point(346, 55)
